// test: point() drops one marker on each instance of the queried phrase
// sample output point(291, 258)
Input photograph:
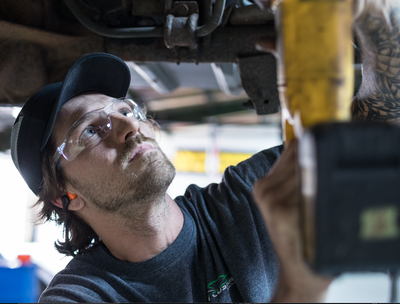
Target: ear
point(75, 204)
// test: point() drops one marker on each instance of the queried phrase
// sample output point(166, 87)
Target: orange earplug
point(71, 196)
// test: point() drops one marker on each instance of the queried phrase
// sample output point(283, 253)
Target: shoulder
point(245, 174)
point(235, 188)
point(80, 281)
point(257, 166)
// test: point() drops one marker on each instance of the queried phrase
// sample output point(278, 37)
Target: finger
point(276, 182)
point(267, 186)
point(283, 172)
point(270, 185)
point(291, 144)
point(284, 167)
point(282, 196)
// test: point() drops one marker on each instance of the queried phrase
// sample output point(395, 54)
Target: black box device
point(351, 197)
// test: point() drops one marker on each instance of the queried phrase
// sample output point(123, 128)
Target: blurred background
point(216, 104)
point(200, 139)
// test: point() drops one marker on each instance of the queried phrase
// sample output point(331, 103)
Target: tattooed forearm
point(379, 94)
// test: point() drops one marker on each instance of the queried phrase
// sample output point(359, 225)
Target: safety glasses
point(90, 129)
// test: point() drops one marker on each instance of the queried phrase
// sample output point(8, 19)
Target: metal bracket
point(180, 25)
point(258, 75)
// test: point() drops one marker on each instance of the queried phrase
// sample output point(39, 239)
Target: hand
point(277, 196)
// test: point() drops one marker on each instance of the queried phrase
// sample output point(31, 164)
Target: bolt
point(182, 10)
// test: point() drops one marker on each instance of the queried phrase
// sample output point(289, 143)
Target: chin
point(143, 183)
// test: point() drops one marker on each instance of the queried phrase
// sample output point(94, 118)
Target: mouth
point(140, 150)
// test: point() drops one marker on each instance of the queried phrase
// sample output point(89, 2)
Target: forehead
point(75, 108)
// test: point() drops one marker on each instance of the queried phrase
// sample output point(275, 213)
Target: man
point(92, 159)
point(131, 240)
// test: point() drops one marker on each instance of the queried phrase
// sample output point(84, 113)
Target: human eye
point(122, 107)
point(88, 133)
point(126, 112)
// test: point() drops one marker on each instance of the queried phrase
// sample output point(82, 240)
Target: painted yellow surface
point(315, 72)
point(227, 159)
point(190, 161)
point(195, 161)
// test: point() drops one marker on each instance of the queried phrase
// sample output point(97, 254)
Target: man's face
point(124, 172)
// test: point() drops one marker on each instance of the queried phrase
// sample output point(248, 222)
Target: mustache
point(131, 144)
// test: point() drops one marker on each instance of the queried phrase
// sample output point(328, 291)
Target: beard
point(127, 193)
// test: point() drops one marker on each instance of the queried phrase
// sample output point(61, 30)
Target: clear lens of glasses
point(90, 129)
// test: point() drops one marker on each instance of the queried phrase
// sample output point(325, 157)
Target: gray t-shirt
point(222, 254)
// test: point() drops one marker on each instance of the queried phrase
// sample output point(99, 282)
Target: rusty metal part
point(168, 4)
point(180, 10)
point(143, 32)
point(148, 8)
point(258, 74)
point(205, 13)
point(184, 8)
point(179, 31)
point(213, 22)
point(49, 15)
point(38, 49)
point(250, 14)
point(180, 25)
point(31, 58)
point(228, 43)
point(227, 14)
point(130, 32)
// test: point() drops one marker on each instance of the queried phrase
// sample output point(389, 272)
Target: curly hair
point(79, 236)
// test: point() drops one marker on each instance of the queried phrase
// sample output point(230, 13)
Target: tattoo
point(379, 95)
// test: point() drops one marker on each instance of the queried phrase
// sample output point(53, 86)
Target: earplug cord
point(67, 245)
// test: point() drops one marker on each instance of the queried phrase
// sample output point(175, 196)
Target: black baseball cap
point(98, 72)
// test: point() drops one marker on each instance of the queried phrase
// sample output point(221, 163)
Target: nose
point(124, 127)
